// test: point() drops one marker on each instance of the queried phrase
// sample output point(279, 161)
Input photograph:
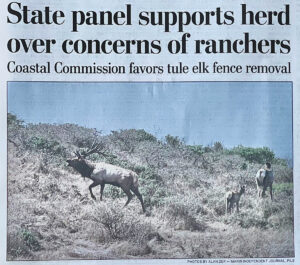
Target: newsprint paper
point(149, 132)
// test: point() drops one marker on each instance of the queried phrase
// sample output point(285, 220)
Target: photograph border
point(160, 260)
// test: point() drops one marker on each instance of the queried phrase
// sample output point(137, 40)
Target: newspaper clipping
point(154, 132)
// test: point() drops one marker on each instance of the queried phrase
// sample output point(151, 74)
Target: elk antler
point(77, 154)
point(95, 148)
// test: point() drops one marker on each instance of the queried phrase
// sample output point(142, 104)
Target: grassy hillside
point(52, 216)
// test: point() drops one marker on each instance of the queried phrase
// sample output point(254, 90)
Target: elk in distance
point(102, 173)
point(264, 180)
point(233, 197)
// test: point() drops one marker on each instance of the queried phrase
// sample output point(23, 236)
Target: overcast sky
point(253, 114)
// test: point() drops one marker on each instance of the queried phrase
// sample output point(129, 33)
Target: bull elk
point(233, 197)
point(264, 180)
point(102, 173)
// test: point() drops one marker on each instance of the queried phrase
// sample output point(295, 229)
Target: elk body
point(102, 173)
point(233, 197)
point(264, 180)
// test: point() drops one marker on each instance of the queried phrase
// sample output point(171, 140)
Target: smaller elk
point(233, 197)
point(102, 173)
point(264, 180)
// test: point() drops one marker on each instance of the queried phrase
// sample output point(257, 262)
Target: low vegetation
point(52, 216)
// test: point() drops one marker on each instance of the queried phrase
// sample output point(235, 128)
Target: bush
point(258, 155)
point(208, 149)
point(286, 188)
point(283, 174)
point(218, 147)
point(251, 220)
point(46, 146)
point(197, 149)
point(30, 240)
point(244, 166)
point(121, 227)
point(152, 187)
point(13, 121)
point(185, 214)
point(21, 243)
point(128, 139)
point(173, 141)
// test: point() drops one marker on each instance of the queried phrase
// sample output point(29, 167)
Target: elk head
point(243, 189)
point(80, 164)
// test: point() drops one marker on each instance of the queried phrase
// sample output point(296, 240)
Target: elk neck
point(84, 168)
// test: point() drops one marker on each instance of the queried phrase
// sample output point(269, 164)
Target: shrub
point(173, 141)
point(121, 227)
point(251, 220)
point(184, 213)
point(283, 174)
point(16, 248)
point(258, 155)
point(152, 187)
point(244, 166)
point(113, 192)
point(286, 188)
point(46, 146)
point(30, 240)
point(208, 149)
point(21, 243)
point(218, 147)
point(197, 149)
point(13, 121)
point(128, 139)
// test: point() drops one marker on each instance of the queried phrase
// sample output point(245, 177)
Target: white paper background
point(62, 32)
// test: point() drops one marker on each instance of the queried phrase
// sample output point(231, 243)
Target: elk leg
point(230, 206)
point(227, 206)
point(137, 193)
point(264, 192)
point(271, 192)
point(129, 195)
point(101, 191)
point(90, 188)
point(237, 207)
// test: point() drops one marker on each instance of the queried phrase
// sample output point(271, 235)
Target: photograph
point(149, 170)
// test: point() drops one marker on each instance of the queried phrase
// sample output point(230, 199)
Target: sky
point(253, 114)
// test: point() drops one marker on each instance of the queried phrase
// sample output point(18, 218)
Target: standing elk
point(233, 197)
point(102, 173)
point(264, 180)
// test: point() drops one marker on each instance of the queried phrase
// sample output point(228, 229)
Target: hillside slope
point(52, 216)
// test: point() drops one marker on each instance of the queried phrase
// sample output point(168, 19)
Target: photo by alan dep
point(149, 170)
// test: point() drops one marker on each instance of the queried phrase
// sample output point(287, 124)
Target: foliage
point(152, 188)
point(188, 212)
point(13, 121)
point(121, 227)
point(244, 166)
point(258, 155)
point(218, 146)
point(46, 146)
point(30, 240)
point(127, 139)
point(173, 141)
point(21, 243)
point(197, 149)
point(286, 188)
